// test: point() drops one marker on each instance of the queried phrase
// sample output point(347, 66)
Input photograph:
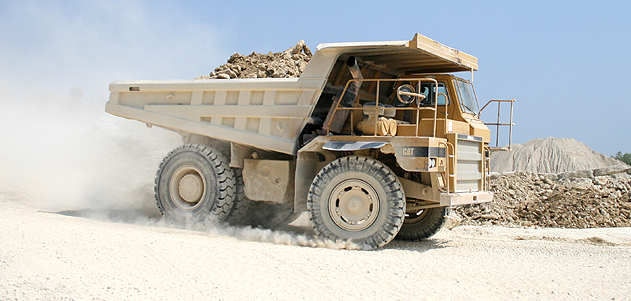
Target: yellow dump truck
point(375, 140)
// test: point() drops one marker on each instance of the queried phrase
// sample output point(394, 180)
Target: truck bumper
point(465, 198)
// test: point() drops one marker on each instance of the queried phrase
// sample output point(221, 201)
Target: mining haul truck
point(375, 140)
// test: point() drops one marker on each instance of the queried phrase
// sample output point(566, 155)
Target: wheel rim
point(416, 216)
point(188, 187)
point(353, 205)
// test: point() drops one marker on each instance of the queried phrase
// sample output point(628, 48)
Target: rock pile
point(289, 63)
point(554, 200)
point(554, 182)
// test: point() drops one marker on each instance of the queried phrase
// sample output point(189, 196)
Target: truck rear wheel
point(195, 183)
point(357, 199)
point(238, 212)
point(422, 224)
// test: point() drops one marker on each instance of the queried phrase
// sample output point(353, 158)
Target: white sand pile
point(550, 155)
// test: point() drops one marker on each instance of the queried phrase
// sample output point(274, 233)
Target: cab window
point(441, 91)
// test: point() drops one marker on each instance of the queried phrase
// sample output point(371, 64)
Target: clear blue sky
point(566, 62)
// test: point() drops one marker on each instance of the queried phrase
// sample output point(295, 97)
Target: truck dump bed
point(264, 113)
point(270, 113)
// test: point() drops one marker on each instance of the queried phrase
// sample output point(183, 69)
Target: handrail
point(448, 146)
point(376, 108)
point(446, 110)
point(498, 123)
point(487, 169)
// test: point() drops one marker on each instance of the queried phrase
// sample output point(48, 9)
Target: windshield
point(467, 97)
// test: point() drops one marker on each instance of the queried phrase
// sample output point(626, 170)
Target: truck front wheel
point(422, 224)
point(357, 199)
point(195, 183)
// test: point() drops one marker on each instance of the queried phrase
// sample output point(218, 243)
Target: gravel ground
point(65, 256)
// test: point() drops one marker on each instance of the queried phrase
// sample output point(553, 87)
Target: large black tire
point(194, 183)
point(357, 199)
point(422, 224)
point(239, 211)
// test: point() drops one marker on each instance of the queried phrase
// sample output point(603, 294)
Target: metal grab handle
point(447, 175)
point(487, 168)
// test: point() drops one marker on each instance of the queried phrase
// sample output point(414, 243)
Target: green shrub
point(626, 157)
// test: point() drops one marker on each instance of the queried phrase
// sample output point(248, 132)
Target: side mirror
point(407, 95)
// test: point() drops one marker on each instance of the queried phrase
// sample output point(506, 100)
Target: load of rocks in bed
point(289, 63)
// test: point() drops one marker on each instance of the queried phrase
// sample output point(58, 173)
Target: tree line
point(626, 157)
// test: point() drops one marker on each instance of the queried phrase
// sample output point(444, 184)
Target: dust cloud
point(285, 238)
point(70, 154)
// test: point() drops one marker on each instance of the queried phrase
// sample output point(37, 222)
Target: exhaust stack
point(335, 123)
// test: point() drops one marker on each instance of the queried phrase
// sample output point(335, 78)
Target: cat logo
point(408, 151)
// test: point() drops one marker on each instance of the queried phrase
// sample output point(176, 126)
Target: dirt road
point(65, 256)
